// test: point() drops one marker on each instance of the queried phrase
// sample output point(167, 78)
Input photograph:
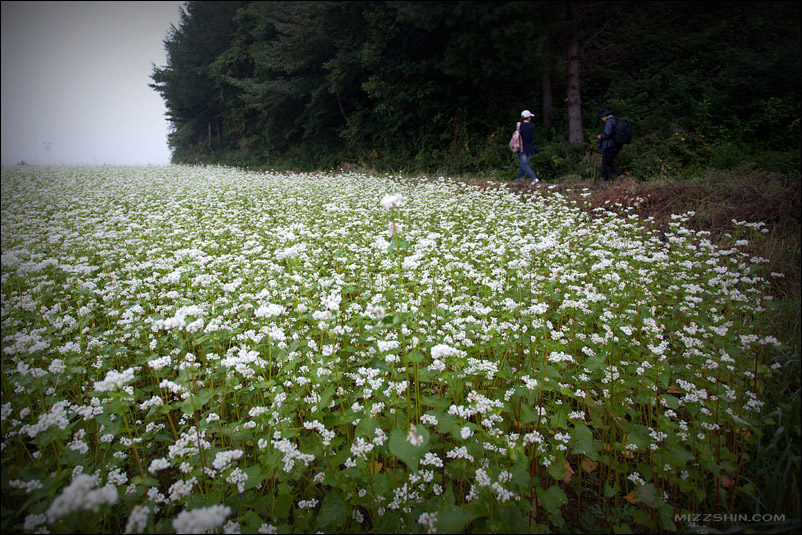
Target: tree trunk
point(573, 94)
point(548, 99)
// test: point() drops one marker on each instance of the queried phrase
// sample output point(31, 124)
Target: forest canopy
point(438, 86)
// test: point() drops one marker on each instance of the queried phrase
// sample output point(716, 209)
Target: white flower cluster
point(476, 366)
point(429, 521)
point(291, 454)
point(57, 416)
point(159, 363)
point(28, 486)
point(269, 310)
point(223, 459)
point(158, 464)
point(559, 356)
point(413, 437)
point(190, 442)
point(114, 380)
point(428, 419)
point(181, 489)
point(361, 447)
point(431, 459)
point(389, 201)
point(202, 520)
point(238, 477)
point(80, 495)
point(138, 519)
point(179, 320)
point(154, 401)
point(320, 428)
point(481, 405)
point(441, 351)
point(531, 383)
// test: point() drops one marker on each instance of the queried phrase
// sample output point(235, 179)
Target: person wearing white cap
point(528, 138)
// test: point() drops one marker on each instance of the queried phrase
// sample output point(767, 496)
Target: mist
point(75, 81)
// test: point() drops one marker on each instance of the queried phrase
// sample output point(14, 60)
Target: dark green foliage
point(437, 86)
point(195, 104)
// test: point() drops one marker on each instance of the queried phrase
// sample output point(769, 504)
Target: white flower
point(80, 495)
point(181, 489)
point(308, 504)
point(28, 486)
point(413, 437)
point(201, 520)
point(391, 201)
point(223, 458)
point(429, 521)
point(138, 520)
point(428, 419)
point(114, 380)
point(636, 478)
point(238, 477)
point(268, 311)
point(158, 464)
point(158, 364)
point(31, 521)
point(482, 478)
point(431, 459)
point(442, 350)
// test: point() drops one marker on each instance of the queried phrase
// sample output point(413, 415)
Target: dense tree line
point(428, 86)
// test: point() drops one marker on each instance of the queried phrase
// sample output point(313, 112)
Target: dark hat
point(604, 113)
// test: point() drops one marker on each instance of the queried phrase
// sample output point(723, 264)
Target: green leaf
point(584, 443)
point(401, 448)
point(255, 476)
point(594, 363)
point(334, 511)
point(671, 401)
point(667, 517)
point(527, 414)
point(196, 401)
point(281, 506)
point(452, 519)
point(556, 471)
point(552, 499)
point(648, 494)
point(145, 482)
point(559, 419)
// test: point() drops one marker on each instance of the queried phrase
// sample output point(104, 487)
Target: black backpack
point(622, 132)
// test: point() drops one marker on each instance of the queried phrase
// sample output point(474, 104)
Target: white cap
point(527, 113)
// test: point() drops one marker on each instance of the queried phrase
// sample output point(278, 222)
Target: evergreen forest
point(437, 87)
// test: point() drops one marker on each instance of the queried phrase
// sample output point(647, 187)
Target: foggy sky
point(75, 76)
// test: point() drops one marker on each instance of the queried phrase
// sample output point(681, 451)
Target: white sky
point(76, 74)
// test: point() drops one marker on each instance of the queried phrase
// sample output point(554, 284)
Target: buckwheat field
point(191, 349)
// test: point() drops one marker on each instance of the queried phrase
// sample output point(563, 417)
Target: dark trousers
point(608, 167)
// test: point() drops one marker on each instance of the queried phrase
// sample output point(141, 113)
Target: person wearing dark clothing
point(528, 138)
point(608, 146)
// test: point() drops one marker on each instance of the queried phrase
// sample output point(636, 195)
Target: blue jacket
point(528, 137)
point(606, 140)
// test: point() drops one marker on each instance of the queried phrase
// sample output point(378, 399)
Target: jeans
point(608, 167)
point(523, 167)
